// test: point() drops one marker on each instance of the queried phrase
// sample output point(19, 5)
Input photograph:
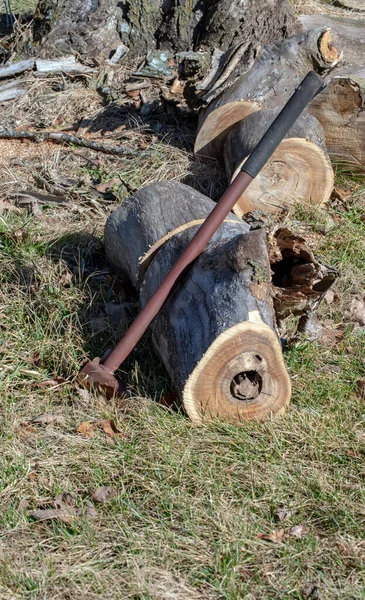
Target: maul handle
point(310, 86)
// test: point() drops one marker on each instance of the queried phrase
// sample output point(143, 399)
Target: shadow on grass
point(109, 306)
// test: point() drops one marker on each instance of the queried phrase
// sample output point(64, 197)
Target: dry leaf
point(86, 429)
point(353, 453)
point(357, 310)
point(296, 531)
point(26, 431)
point(276, 536)
point(66, 278)
point(32, 476)
point(63, 514)
point(44, 419)
point(110, 428)
point(64, 500)
point(5, 205)
point(84, 395)
point(55, 382)
point(103, 494)
point(282, 514)
point(104, 187)
point(310, 592)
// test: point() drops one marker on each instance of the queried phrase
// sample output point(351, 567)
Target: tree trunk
point(299, 169)
point(94, 28)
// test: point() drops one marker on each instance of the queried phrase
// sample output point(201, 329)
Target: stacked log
point(216, 333)
point(341, 107)
point(231, 125)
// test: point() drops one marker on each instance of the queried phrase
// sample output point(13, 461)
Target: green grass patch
point(190, 501)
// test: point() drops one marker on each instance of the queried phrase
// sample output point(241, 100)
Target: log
point(215, 334)
point(64, 64)
point(16, 68)
point(341, 107)
point(341, 112)
point(349, 34)
point(300, 168)
point(12, 89)
point(268, 84)
point(145, 221)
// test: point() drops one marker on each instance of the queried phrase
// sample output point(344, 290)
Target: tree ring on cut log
point(281, 183)
point(217, 124)
point(245, 360)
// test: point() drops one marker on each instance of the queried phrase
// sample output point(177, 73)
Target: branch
point(64, 138)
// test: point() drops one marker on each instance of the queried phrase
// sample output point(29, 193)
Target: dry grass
point(190, 500)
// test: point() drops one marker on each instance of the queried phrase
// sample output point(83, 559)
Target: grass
point(190, 501)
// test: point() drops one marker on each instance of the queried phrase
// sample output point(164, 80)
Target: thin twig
point(64, 138)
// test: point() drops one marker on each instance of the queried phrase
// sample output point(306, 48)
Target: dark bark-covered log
point(299, 169)
point(145, 221)
point(95, 28)
point(268, 84)
point(215, 334)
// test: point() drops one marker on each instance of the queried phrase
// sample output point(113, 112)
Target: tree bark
point(94, 28)
point(144, 222)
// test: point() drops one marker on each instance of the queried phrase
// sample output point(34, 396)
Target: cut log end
point(242, 376)
point(298, 170)
point(327, 48)
point(211, 137)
